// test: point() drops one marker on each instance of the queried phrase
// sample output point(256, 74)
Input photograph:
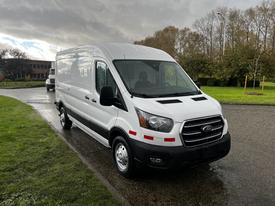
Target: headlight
point(154, 122)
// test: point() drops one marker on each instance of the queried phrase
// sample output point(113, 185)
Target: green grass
point(21, 84)
point(235, 95)
point(37, 167)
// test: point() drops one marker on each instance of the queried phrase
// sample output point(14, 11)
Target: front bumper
point(50, 86)
point(172, 157)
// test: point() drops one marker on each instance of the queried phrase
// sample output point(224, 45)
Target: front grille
point(203, 130)
point(52, 81)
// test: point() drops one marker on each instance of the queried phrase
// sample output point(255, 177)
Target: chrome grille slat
point(193, 133)
point(202, 124)
point(206, 138)
point(217, 128)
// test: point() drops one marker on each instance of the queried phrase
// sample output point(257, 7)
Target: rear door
point(80, 92)
point(63, 77)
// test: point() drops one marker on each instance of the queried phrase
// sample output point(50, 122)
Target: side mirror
point(107, 96)
point(198, 83)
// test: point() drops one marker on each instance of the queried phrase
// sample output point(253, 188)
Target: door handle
point(86, 97)
point(93, 100)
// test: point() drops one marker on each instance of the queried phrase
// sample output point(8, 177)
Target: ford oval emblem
point(207, 128)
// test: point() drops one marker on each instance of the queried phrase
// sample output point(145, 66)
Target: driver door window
point(104, 77)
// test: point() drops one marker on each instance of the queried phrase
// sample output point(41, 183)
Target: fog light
point(155, 160)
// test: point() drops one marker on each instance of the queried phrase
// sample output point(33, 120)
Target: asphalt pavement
point(245, 177)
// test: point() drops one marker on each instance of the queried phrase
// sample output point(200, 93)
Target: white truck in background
point(50, 82)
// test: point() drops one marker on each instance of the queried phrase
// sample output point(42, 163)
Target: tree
point(272, 27)
point(3, 53)
point(249, 49)
point(15, 64)
point(206, 27)
point(195, 65)
point(16, 53)
point(165, 39)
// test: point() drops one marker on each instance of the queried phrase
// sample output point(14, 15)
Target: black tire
point(48, 89)
point(65, 122)
point(120, 142)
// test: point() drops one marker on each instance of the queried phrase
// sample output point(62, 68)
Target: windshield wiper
point(142, 95)
point(178, 94)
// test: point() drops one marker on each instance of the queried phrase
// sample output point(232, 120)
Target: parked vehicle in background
point(50, 82)
point(141, 103)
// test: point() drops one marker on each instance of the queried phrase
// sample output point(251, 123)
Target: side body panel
point(75, 88)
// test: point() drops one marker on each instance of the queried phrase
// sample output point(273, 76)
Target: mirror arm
point(117, 102)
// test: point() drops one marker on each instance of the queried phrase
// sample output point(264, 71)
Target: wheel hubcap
point(121, 155)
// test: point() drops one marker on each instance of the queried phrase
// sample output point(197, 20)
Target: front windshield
point(148, 78)
point(52, 71)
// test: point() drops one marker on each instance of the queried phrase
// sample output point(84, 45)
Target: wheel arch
point(59, 105)
point(117, 131)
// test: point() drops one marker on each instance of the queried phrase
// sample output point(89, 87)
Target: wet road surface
point(245, 177)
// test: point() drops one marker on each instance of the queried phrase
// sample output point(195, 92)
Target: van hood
point(180, 108)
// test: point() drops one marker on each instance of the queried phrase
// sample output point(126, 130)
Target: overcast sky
point(42, 27)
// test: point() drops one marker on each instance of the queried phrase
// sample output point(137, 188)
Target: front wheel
point(122, 156)
point(65, 122)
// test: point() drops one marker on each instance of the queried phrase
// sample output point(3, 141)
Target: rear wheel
point(65, 122)
point(122, 156)
point(48, 89)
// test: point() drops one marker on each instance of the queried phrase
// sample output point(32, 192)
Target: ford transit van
point(141, 103)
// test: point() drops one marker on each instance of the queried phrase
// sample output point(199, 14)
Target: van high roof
point(116, 51)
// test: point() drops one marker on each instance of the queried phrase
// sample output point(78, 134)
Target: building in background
point(2, 77)
point(24, 69)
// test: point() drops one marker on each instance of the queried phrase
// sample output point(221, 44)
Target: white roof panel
point(131, 51)
point(116, 51)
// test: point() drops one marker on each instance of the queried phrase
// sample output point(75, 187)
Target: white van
point(50, 81)
point(141, 103)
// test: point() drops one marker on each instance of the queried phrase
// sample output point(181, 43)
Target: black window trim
point(123, 104)
point(96, 61)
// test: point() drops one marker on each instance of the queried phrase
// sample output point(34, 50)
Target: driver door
point(104, 117)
